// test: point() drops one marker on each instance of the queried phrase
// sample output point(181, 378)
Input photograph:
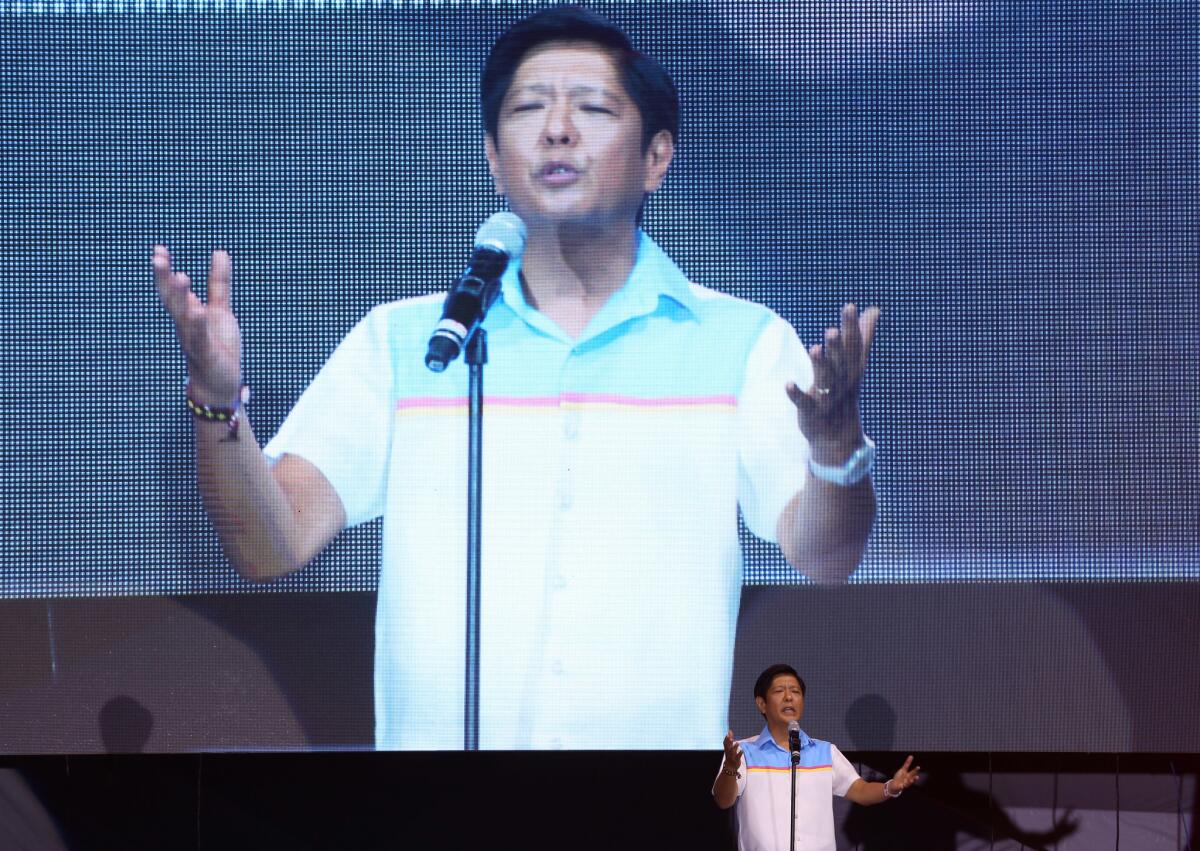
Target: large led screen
point(1014, 184)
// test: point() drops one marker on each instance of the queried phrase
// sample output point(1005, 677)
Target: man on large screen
point(630, 414)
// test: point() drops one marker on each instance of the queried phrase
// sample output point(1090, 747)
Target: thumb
point(803, 402)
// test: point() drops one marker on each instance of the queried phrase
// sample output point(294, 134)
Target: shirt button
point(571, 425)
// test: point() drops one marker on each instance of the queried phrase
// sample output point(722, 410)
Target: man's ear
point(493, 158)
point(761, 704)
point(657, 159)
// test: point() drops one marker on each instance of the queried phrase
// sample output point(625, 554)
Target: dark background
point(1067, 802)
point(1013, 668)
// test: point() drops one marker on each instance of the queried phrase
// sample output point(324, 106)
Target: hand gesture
point(733, 753)
point(208, 333)
point(904, 776)
point(828, 413)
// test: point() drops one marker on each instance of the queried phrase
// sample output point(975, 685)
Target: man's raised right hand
point(208, 333)
point(733, 752)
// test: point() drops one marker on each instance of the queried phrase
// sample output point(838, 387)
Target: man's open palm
point(208, 333)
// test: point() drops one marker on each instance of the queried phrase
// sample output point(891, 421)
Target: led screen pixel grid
point(1014, 184)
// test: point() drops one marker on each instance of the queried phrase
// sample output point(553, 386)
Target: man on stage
point(756, 774)
point(630, 414)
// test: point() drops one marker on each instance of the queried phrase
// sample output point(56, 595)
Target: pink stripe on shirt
point(453, 404)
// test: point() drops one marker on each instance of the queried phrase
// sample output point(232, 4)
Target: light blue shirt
point(614, 467)
point(765, 787)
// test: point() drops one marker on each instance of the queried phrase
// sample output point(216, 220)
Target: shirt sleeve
point(342, 422)
point(844, 774)
point(773, 454)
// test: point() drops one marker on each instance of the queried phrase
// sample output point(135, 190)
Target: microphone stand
point(476, 357)
point(792, 820)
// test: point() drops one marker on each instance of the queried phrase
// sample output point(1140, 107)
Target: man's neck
point(570, 272)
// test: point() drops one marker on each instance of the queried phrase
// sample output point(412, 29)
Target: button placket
point(571, 423)
point(570, 417)
point(555, 671)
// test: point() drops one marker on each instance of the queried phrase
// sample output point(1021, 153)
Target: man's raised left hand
point(828, 413)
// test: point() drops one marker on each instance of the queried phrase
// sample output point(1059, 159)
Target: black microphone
point(499, 239)
point(794, 741)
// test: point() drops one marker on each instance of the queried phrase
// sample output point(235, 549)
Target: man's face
point(569, 146)
point(784, 701)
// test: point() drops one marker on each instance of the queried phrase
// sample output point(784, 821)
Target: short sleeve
point(342, 422)
point(844, 774)
point(773, 454)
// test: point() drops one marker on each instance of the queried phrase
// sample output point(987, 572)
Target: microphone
point(499, 239)
point(794, 741)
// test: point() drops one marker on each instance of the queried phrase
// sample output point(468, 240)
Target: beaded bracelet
point(887, 793)
point(231, 416)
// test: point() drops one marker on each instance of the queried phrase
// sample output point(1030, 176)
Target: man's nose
point(559, 130)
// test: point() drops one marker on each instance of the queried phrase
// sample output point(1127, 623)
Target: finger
point(907, 762)
point(220, 279)
point(824, 388)
point(824, 373)
point(851, 335)
point(839, 369)
point(189, 309)
point(827, 377)
point(190, 320)
point(804, 402)
point(834, 349)
point(160, 261)
point(868, 322)
point(171, 285)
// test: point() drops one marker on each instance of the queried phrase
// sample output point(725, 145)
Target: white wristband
point(855, 469)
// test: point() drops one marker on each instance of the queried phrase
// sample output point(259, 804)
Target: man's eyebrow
point(548, 89)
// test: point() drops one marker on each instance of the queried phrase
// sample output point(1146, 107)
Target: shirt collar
point(766, 741)
point(654, 276)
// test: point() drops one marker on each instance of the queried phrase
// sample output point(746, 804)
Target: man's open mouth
point(556, 174)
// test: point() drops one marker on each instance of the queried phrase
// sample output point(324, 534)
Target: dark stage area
point(571, 800)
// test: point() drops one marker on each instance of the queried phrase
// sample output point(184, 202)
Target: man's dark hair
point(763, 684)
point(646, 82)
